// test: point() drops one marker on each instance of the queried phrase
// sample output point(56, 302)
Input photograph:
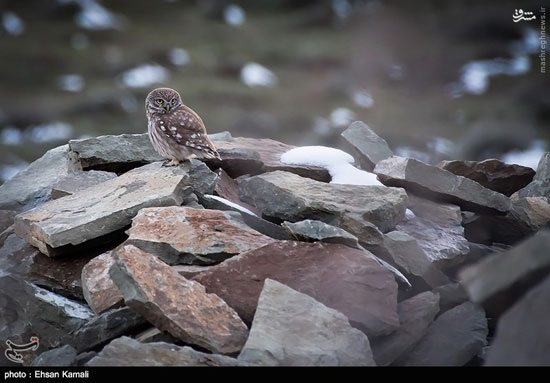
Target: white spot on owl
point(163, 128)
point(178, 136)
point(194, 135)
point(174, 129)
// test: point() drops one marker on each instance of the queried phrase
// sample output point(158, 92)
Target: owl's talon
point(170, 163)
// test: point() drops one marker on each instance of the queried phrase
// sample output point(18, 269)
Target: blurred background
point(436, 79)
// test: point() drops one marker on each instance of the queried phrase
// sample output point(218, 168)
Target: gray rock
point(99, 291)
point(368, 147)
point(105, 327)
point(125, 351)
point(416, 314)
point(175, 304)
point(221, 136)
point(540, 186)
point(112, 153)
point(153, 334)
point(79, 180)
point(411, 259)
point(443, 214)
point(58, 357)
point(436, 183)
point(492, 174)
point(453, 339)
point(522, 332)
point(85, 357)
point(498, 281)
point(6, 219)
point(443, 244)
point(32, 186)
point(293, 329)
point(338, 276)
point(59, 225)
point(287, 196)
point(311, 231)
point(183, 235)
point(450, 295)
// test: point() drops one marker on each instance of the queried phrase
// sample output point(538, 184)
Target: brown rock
point(338, 276)
point(242, 155)
point(100, 292)
point(174, 304)
point(184, 235)
point(492, 173)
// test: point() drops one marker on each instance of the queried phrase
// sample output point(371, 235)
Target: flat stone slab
point(32, 186)
point(497, 282)
point(101, 209)
point(522, 337)
point(435, 183)
point(99, 291)
point(184, 235)
point(78, 181)
point(455, 337)
point(368, 147)
point(492, 174)
point(293, 329)
point(416, 314)
point(289, 197)
point(540, 186)
point(338, 276)
point(126, 351)
point(175, 304)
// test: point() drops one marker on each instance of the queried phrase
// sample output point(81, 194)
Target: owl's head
point(162, 100)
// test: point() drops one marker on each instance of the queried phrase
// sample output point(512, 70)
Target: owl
point(176, 131)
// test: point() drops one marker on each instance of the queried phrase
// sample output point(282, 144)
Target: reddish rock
point(175, 304)
point(100, 292)
point(184, 235)
point(338, 276)
point(227, 187)
point(492, 173)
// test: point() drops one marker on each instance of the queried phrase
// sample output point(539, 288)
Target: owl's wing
point(186, 128)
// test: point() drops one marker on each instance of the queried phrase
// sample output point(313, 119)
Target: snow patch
point(254, 74)
point(234, 15)
point(144, 76)
point(337, 162)
point(229, 203)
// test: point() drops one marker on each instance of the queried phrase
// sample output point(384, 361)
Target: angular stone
point(338, 276)
point(411, 259)
point(91, 213)
point(242, 155)
point(249, 217)
point(27, 310)
point(435, 183)
point(99, 291)
point(6, 219)
point(105, 327)
point(189, 271)
point(368, 147)
point(498, 281)
point(450, 295)
point(522, 332)
point(492, 174)
point(227, 188)
point(78, 181)
point(183, 235)
point(174, 304)
point(64, 356)
point(153, 334)
point(443, 244)
point(293, 329)
point(293, 198)
point(443, 214)
point(32, 186)
point(455, 337)
point(112, 153)
point(128, 352)
point(416, 314)
point(540, 186)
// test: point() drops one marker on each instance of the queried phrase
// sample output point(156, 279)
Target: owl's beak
point(167, 107)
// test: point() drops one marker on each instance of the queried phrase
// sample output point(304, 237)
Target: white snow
point(342, 117)
point(70, 82)
point(71, 308)
point(12, 23)
point(409, 214)
point(529, 157)
point(179, 56)
point(94, 16)
point(363, 98)
point(254, 74)
point(234, 15)
point(11, 136)
point(145, 75)
point(54, 131)
point(229, 203)
point(337, 162)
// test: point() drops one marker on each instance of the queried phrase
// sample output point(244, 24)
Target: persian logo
point(519, 15)
point(13, 350)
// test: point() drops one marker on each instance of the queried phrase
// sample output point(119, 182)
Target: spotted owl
point(176, 131)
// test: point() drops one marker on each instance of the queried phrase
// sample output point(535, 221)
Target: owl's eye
point(159, 101)
point(173, 101)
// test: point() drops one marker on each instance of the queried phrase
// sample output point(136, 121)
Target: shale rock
point(540, 186)
point(58, 357)
point(78, 181)
point(99, 291)
point(175, 304)
point(293, 329)
point(368, 147)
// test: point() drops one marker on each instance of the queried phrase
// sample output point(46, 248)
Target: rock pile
point(110, 258)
